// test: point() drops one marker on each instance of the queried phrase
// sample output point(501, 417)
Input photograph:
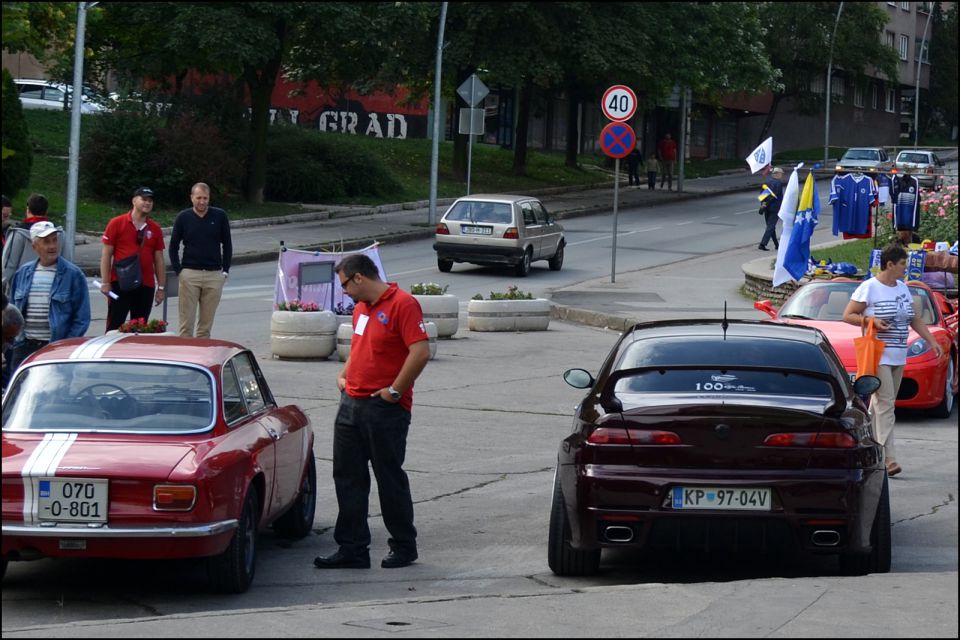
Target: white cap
point(42, 229)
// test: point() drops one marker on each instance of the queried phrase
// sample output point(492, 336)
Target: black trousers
point(375, 431)
point(633, 175)
point(770, 218)
point(651, 179)
point(136, 303)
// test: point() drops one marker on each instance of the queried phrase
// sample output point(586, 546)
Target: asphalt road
point(489, 413)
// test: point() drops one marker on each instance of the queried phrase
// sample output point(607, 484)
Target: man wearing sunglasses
point(133, 234)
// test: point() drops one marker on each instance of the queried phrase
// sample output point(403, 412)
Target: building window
point(838, 90)
point(875, 90)
point(926, 7)
point(817, 84)
point(904, 46)
point(891, 101)
point(858, 96)
point(906, 104)
point(890, 38)
point(905, 6)
point(926, 51)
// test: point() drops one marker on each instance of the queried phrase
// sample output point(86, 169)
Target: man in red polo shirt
point(133, 233)
point(388, 350)
point(668, 155)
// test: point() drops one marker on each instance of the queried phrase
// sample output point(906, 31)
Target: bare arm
point(920, 327)
point(106, 259)
point(416, 360)
point(160, 272)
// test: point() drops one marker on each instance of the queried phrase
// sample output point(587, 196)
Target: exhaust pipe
point(618, 534)
point(825, 538)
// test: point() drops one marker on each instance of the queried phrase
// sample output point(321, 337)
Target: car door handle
point(273, 433)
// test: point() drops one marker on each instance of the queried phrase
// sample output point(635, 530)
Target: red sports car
point(928, 382)
point(152, 447)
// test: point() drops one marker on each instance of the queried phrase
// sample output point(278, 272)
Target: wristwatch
point(396, 395)
point(160, 287)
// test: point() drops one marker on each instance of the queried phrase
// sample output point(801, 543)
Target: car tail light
point(442, 229)
point(511, 233)
point(174, 497)
point(811, 440)
point(621, 436)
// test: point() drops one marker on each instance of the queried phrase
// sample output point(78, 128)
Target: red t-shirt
point(382, 334)
point(668, 150)
point(121, 234)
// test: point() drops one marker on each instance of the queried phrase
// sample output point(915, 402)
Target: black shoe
point(341, 560)
point(762, 248)
point(397, 559)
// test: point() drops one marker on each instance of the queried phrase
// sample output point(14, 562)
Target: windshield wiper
point(795, 315)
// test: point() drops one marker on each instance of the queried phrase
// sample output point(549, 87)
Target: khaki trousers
point(882, 407)
point(199, 289)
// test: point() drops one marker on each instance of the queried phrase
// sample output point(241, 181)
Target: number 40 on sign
point(619, 103)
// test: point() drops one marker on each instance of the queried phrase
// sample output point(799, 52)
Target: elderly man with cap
point(133, 237)
point(51, 294)
point(771, 208)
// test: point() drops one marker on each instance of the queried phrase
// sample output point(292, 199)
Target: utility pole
point(916, 95)
point(826, 127)
point(435, 148)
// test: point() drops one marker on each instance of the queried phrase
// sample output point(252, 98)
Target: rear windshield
point(730, 353)
point(474, 211)
point(913, 157)
point(729, 382)
point(861, 154)
point(110, 396)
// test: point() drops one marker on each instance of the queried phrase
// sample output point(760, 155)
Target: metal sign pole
point(616, 198)
point(473, 93)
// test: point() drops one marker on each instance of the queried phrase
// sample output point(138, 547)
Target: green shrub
point(309, 166)
point(513, 293)
point(17, 155)
point(118, 155)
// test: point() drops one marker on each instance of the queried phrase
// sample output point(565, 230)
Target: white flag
point(788, 211)
point(761, 156)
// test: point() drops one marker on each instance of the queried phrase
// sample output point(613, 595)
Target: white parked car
point(47, 94)
point(499, 229)
point(923, 164)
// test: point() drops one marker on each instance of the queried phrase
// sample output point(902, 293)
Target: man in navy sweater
point(207, 250)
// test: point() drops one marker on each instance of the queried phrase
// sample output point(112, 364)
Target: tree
point(798, 39)
point(17, 155)
point(943, 67)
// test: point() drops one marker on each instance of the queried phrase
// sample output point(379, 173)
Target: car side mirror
point(766, 307)
point(578, 378)
point(865, 385)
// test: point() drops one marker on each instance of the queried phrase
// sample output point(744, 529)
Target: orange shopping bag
point(869, 348)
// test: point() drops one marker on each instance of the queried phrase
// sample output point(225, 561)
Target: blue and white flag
point(788, 210)
point(761, 156)
point(797, 256)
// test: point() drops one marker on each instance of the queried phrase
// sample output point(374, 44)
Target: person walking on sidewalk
point(634, 159)
point(51, 294)
point(668, 154)
point(133, 234)
point(771, 208)
point(652, 166)
point(888, 300)
point(207, 251)
point(389, 349)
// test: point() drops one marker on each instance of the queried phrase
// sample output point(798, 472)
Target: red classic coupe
point(928, 382)
point(152, 447)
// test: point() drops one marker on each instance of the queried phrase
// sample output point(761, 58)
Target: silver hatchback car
point(499, 229)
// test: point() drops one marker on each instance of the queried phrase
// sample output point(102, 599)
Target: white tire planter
point(442, 310)
point(345, 336)
point(303, 334)
point(508, 315)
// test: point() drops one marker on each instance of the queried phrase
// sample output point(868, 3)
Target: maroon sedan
point(732, 436)
point(152, 447)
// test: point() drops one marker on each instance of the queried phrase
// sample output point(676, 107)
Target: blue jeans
point(375, 431)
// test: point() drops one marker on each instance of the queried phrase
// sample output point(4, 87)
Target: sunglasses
point(140, 236)
point(344, 283)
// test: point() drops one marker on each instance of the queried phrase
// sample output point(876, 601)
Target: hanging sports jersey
point(883, 188)
point(852, 196)
point(906, 203)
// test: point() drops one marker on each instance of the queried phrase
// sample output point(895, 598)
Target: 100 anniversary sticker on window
point(72, 500)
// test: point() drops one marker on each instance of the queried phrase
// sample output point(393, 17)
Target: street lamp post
point(435, 149)
point(74, 154)
point(826, 127)
point(916, 94)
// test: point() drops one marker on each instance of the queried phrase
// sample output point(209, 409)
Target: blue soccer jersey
point(906, 203)
point(852, 196)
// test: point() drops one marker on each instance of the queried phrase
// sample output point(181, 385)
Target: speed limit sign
point(619, 103)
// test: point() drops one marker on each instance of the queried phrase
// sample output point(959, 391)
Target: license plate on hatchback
point(470, 230)
point(72, 500)
point(717, 498)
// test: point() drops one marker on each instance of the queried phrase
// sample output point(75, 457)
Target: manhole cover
point(397, 624)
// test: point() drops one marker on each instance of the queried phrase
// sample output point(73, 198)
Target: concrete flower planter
point(303, 334)
point(508, 315)
point(442, 310)
point(345, 337)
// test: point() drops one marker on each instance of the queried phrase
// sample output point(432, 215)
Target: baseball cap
point(42, 229)
point(143, 192)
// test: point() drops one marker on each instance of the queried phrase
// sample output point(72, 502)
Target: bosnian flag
point(762, 156)
point(797, 256)
point(766, 193)
point(788, 209)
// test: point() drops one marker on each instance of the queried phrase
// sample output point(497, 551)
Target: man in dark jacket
point(771, 209)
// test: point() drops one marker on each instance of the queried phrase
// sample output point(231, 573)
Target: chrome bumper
point(60, 530)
